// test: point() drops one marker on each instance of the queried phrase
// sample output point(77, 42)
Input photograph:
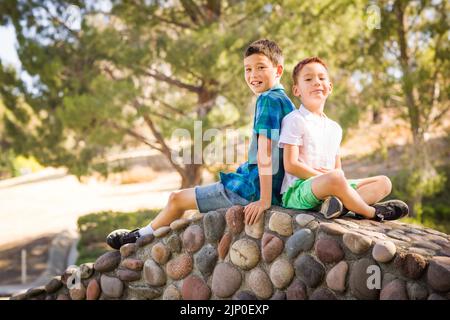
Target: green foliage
point(25, 165)
point(162, 66)
point(434, 211)
point(408, 182)
point(410, 76)
point(170, 64)
point(7, 169)
point(93, 229)
point(136, 73)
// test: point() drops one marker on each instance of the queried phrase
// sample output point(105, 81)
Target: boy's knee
point(174, 198)
point(387, 184)
point(336, 178)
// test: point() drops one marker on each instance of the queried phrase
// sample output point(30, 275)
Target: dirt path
point(30, 210)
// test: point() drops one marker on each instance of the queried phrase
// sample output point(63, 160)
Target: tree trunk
point(419, 161)
point(376, 116)
point(418, 158)
point(192, 176)
point(191, 173)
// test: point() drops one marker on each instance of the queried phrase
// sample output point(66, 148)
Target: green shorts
point(300, 194)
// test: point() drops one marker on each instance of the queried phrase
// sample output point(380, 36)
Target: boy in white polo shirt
point(314, 175)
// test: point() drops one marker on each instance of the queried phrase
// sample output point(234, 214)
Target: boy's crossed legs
point(374, 189)
point(363, 201)
point(330, 188)
point(368, 191)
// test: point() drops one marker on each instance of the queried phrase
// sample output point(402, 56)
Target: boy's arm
point(254, 210)
point(295, 167)
point(338, 162)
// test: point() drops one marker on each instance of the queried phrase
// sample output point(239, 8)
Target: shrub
point(93, 229)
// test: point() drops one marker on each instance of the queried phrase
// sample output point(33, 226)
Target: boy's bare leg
point(374, 189)
point(334, 183)
point(179, 202)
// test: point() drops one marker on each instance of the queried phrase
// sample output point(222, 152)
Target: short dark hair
point(303, 63)
point(268, 48)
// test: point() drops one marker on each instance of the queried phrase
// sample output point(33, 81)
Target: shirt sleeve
point(291, 132)
point(268, 117)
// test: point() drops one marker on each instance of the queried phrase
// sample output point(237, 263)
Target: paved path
point(51, 202)
point(31, 209)
point(62, 253)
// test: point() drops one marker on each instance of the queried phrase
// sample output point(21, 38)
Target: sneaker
point(332, 207)
point(119, 237)
point(390, 210)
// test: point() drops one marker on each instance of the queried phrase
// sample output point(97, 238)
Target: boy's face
point(260, 73)
point(313, 84)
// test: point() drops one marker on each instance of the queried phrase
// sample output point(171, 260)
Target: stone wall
point(287, 255)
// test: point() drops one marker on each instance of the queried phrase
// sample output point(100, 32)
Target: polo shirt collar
point(276, 87)
point(308, 114)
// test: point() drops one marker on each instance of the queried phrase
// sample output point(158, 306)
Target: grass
point(93, 229)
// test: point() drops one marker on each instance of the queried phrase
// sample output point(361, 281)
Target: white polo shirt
point(317, 137)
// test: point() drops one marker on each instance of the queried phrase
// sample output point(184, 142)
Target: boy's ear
point(295, 90)
point(279, 70)
point(331, 87)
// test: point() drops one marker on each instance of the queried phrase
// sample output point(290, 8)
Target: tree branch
point(404, 60)
point(324, 8)
point(59, 22)
point(109, 72)
point(214, 6)
point(175, 23)
point(246, 17)
point(434, 90)
point(193, 74)
point(161, 116)
point(416, 17)
point(134, 134)
point(192, 10)
point(440, 115)
point(168, 106)
point(159, 76)
point(164, 147)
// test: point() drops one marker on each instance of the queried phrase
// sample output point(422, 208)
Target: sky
point(8, 53)
point(8, 42)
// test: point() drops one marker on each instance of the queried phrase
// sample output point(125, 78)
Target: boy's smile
point(313, 86)
point(318, 91)
point(260, 73)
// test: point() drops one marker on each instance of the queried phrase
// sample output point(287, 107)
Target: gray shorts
point(215, 196)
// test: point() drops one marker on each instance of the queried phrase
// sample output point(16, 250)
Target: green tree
point(408, 57)
point(6, 165)
point(329, 29)
point(138, 70)
point(141, 69)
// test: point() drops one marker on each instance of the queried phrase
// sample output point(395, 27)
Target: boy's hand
point(254, 210)
point(323, 169)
